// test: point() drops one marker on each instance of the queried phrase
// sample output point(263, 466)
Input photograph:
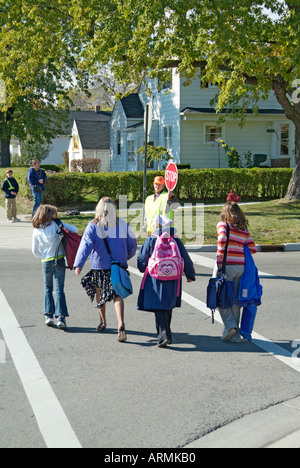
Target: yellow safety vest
point(154, 207)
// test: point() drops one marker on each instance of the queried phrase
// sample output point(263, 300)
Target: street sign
point(171, 176)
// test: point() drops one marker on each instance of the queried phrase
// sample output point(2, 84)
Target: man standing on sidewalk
point(11, 188)
point(36, 178)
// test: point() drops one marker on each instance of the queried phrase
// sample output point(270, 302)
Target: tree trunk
point(293, 192)
point(292, 112)
point(4, 153)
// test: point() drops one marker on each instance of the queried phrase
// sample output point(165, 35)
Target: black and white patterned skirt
point(100, 279)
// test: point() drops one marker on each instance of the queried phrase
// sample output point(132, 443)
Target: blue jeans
point(38, 198)
point(58, 273)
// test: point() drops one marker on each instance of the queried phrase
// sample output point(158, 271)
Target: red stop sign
point(171, 176)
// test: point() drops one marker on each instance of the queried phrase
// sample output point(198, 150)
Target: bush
point(194, 184)
point(250, 184)
point(86, 165)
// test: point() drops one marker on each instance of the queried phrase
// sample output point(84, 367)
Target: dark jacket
point(33, 177)
point(157, 294)
point(10, 185)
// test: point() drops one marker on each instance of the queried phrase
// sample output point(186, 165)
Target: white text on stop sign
point(171, 176)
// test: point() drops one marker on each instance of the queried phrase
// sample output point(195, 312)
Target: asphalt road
point(96, 392)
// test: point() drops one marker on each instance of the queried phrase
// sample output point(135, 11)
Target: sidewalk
point(15, 235)
point(275, 427)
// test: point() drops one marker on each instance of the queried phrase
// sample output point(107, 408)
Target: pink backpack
point(165, 263)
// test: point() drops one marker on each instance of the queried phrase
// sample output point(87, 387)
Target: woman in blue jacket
point(36, 178)
point(122, 243)
point(159, 296)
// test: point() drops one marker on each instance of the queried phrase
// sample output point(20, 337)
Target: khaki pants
point(231, 317)
point(11, 208)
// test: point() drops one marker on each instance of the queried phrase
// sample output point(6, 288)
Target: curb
point(275, 427)
point(260, 248)
point(288, 247)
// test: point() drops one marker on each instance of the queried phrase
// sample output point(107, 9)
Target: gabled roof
point(91, 116)
point(93, 135)
point(210, 110)
point(132, 106)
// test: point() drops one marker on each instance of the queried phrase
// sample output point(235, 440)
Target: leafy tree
point(248, 47)
point(102, 91)
point(37, 46)
point(31, 150)
point(158, 154)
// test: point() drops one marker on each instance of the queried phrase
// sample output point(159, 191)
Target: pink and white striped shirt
point(237, 239)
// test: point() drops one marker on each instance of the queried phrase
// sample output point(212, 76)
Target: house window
point(167, 137)
point(284, 139)
point(212, 133)
point(131, 150)
point(166, 84)
point(118, 142)
point(209, 85)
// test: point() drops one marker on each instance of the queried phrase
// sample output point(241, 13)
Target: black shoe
point(164, 343)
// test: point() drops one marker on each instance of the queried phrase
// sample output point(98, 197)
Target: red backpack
point(69, 242)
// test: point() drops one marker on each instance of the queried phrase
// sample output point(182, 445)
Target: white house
point(126, 133)
point(184, 121)
point(90, 138)
point(85, 135)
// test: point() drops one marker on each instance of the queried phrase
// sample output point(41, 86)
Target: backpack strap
point(144, 278)
point(225, 252)
point(60, 241)
point(104, 237)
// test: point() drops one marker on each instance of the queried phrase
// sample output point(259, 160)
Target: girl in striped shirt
point(235, 262)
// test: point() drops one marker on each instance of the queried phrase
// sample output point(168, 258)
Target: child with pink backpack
point(163, 258)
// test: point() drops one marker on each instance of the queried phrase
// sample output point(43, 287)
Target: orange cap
point(159, 180)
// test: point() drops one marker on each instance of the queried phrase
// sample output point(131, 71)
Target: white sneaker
point(61, 323)
point(49, 321)
point(229, 334)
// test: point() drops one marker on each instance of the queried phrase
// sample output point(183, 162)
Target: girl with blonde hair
point(122, 243)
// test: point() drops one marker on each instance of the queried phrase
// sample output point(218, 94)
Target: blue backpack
point(250, 291)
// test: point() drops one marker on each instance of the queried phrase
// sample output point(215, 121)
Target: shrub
point(86, 165)
point(193, 184)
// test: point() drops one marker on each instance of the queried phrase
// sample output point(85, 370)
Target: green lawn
point(272, 222)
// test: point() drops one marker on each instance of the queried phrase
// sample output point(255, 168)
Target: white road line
point(52, 421)
point(207, 262)
point(277, 351)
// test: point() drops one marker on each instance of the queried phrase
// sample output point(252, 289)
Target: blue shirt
point(122, 243)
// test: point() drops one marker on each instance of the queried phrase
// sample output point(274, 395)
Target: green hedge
point(250, 184)
point(193, 184)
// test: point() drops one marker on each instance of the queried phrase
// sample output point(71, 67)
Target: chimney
point(97, 109)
